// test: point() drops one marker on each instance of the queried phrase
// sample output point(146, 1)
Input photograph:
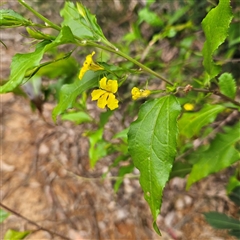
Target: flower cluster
point(105, 94)
point(89, 64)
point(139, 93)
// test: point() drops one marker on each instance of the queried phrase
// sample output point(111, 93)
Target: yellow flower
point(89, 64)
point(188, 106)
point(105, 95)
point(139, 93)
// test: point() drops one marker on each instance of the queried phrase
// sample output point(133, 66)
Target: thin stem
point(33, 223)
point(218, 94)
point(39, 15)
point(120, 53)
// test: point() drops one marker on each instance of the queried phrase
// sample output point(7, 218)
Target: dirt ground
point(45, 177)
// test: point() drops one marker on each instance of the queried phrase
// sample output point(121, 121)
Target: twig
point(215, 92)
point(93, 209)
point(33, 223)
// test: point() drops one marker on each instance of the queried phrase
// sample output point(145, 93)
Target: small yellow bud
point(188, 106)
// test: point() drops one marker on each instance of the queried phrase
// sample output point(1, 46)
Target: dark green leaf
point(15, 235)
point(219, 155)
point(227, 85)
point(104, 117)
point(235, 233)
point(152, 146)
point(215, 26)
point(191, 123)
point(69, 92)
point(222, 221)
point(3, 215)
point(180, 169)
point(235, 195)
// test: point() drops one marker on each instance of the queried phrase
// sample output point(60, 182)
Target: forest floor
point(46, 178)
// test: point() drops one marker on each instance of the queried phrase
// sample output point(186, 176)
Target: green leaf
point(233, 183)
point(19, 66)
point(150, 17)
point(122, 171)
point(25, 64)
point(104, 117)
point(9, 18)
point(3, 215)
point(152, 146)
point(98, 147)
point(235, 233)
point(122, 134)
point(180, 169)
point(77, 117)
point(69, 92)
point(191, 123)
point(222, 221)
point(215, 26)
point(15, 235)
point(75, 21)
point(227, 85)
point(219, 155)
point(235, 195)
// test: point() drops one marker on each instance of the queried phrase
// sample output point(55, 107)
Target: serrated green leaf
point(219, 155)
point(15, 235)
point(3, 215)
point(222, 221)
point(77, 117)
point(9, 18)
point(69, 92)
point(191, 123)
point(215, 26)
point(75, 21)
point(227, 85)
point(152, 146)
point(25, 64)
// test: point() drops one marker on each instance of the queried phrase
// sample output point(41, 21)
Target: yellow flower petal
point(112, 86)
point(89, 64)
point(139, 93)
point(96, 94)
point(103, 83)
point(102, 101)
point(146, 93)
point(112, 102)
point(135, 93)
